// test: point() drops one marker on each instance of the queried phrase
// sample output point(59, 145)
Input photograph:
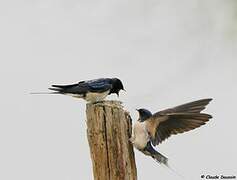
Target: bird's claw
point(107, 103)
point(131, 140)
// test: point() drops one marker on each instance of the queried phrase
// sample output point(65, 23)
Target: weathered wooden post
point(108, 131)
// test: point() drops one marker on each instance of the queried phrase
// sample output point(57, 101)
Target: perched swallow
point(92, 90)
point(151, 129)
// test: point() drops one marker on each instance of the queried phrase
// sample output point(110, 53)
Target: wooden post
point(108, 132)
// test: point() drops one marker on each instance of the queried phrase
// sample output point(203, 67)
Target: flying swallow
point(92, 91)
point(152, 129)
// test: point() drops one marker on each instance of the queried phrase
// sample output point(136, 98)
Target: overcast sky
point(167, 52)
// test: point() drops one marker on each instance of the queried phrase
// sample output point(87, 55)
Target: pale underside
point(91, 96)
point(140, 136)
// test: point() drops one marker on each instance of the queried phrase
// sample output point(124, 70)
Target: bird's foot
point(107, 103)
point(131, 140)
point(98, 102)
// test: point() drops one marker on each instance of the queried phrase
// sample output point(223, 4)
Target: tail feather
point(160, 158)
point(56, 89)
point(45, 93)
point(72, 88)
point(64, 86)
point(149, 150)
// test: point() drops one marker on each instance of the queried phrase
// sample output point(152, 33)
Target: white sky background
point(167, 52)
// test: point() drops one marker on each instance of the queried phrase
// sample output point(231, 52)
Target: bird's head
point(117, 85)
point(144, 114)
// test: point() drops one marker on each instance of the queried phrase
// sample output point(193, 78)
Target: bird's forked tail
point(158, 157)
point(149, 150)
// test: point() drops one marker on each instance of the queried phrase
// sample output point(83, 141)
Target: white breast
point(140, 135)
point(94, 97)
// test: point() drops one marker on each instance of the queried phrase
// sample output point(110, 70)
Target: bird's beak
point(124, 90)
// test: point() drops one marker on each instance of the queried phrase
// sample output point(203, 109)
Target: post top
point(107, 103)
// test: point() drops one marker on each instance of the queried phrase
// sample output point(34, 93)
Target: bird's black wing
point(97, 85)
point(70, 89)
point(177, 120)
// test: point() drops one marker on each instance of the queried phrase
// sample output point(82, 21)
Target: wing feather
point(82, 87)
point(177, 120)
point(191, 107)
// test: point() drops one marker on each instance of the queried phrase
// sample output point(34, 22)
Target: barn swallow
point(152, 129)
point(92, 91)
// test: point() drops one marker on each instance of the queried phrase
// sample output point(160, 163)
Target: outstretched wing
point(191, 107)
point(177, 120)
point(97, 85)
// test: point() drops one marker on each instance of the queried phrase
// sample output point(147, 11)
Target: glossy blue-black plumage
point(113, 85)
point(144, 114)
